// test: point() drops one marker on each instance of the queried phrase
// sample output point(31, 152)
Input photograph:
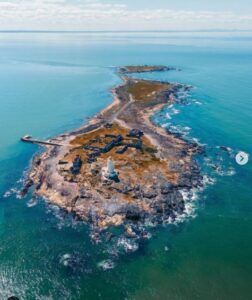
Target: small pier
point(31, 140)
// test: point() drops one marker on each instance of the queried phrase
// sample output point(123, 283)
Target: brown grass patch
point(136, 69)
point(136, 165)
point(147, 91)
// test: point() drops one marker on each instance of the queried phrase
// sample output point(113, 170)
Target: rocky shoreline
point(152, 165)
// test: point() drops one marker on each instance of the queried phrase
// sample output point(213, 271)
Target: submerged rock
point(72, 261)
point(107, 264)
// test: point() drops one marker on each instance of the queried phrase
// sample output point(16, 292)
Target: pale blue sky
point(125, 14)
point(242, 6)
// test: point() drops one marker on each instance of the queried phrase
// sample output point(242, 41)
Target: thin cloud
point(94, 15)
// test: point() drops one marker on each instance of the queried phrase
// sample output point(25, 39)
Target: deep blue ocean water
point(51, 82)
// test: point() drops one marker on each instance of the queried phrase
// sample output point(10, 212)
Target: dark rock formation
point(116, 142)
point(133, 213)
point(135, 133)
point(122, 150)
point(108, 125)
point(77, 163)
point(166, 188)
point(28, 183)
point(149, 194)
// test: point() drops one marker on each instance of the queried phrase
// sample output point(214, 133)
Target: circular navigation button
point(242, 158)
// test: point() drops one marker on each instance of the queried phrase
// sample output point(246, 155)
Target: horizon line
point(120, 31)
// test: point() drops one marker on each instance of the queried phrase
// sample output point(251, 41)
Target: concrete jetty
point(30, 139)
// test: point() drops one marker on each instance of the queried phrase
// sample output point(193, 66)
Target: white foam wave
point(196, 140)
point(147, 235)
point(175, 111)
point(189, 212)
point(107, 264)
point(165, 125)
point(229, 172)
point(65, 259)
point(190, 198)
point(168, 116)
point(127, 245)
point(7, 194)
point(32, 202)
point(184, 131)
point(207, 180)
point(197, 102)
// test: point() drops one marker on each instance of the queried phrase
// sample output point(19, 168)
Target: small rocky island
point(120, 168)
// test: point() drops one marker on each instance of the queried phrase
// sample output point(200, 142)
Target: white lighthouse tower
point(109, 170)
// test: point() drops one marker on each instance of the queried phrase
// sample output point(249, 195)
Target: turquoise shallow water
point(50, 83)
